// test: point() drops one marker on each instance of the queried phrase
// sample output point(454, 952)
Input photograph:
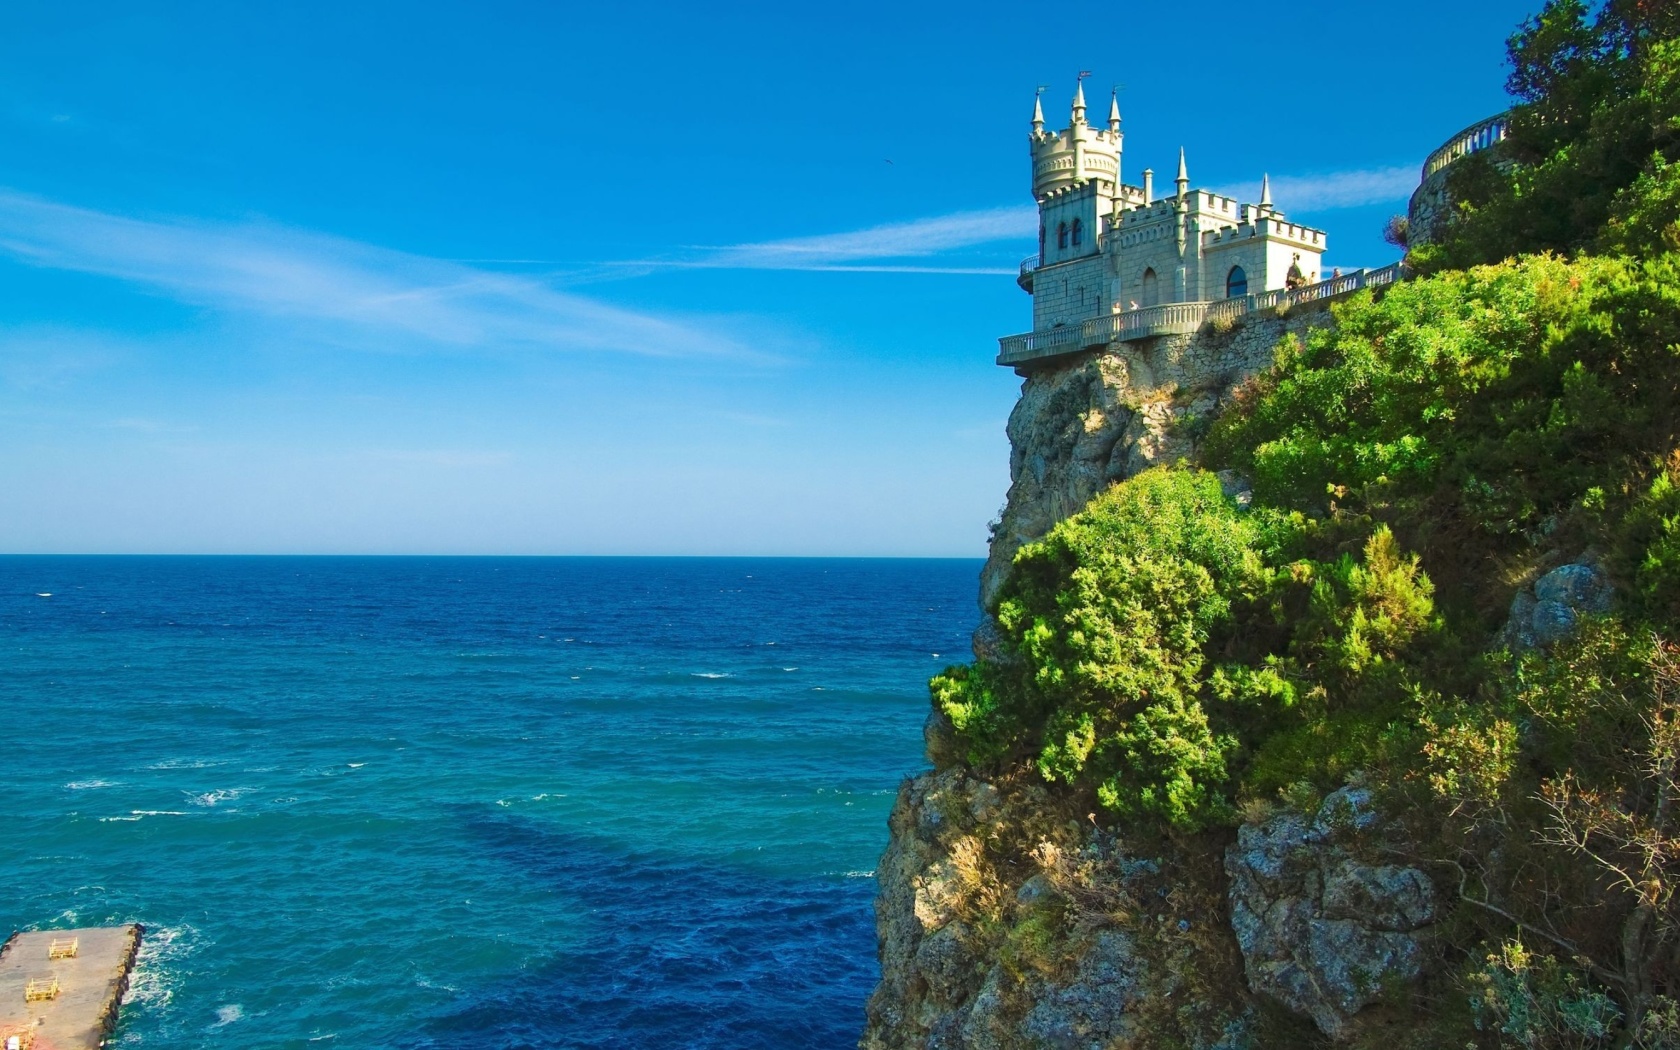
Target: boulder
point(1548, 611)
point(1322, 927)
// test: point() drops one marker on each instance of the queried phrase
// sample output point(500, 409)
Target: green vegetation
point(1173, 655)
point(1594, 138)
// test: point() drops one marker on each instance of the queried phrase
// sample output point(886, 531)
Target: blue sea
point(469, 802)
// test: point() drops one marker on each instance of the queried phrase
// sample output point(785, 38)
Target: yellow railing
point(40, 989)
point(63, 947)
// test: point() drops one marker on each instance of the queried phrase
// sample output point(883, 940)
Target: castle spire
point(1266, 191)
point(1183, 179)
point(1114, 111)
point(1079, 102)
point(1038, 111)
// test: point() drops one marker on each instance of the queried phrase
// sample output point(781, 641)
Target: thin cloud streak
point(865, 250)
point(899, 240)
point(390, 295)
point(1338, 189)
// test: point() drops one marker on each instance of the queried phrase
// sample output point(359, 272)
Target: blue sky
point(519, 278)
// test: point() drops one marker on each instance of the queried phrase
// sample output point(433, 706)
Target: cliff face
point(1009, 917)
point(1092, 419)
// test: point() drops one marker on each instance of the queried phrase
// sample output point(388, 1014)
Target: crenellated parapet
point(1107, 248)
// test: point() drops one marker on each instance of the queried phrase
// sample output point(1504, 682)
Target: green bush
point(1163, 640)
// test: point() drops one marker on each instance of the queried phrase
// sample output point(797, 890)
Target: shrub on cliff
point(1163, 641)
point(1482, 414)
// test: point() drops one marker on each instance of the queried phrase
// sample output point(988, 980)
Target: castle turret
point(1080, 153)
point(1076, 182)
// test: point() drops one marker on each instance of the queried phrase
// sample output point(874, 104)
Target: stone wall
point(1070, 292)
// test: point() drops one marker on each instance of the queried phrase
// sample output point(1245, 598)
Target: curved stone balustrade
point(1177, 318)
point(1473, 139)
point(1431, 205)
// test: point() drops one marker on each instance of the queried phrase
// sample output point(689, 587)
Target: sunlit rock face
point(1086, 421)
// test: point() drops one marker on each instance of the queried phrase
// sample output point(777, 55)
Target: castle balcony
point(1149, 322)
point(1025, 279)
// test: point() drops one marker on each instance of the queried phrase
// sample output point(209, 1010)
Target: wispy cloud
point(917, 239)
point(384, 297)
point(1338, 189)
point(932, 245)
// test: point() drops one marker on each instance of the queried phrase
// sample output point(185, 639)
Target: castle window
point(1151, 287)
point(1236, 283)
point(1061, 235)
point(1078, 232)
point(1041, 242)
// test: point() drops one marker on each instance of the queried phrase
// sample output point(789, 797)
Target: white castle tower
point(1106, 247)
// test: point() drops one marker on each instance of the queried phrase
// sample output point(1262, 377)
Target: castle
point(1108, 249)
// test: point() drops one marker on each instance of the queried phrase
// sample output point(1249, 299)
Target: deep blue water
point(469, 802)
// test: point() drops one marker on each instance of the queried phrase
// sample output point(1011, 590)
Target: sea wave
point(216, 797)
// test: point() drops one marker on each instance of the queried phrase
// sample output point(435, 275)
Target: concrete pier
point(60, 989)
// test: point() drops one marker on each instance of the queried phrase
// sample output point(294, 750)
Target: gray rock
point(1548, 611)
point(984, 802)
point(1092, 1010)
point(1034, 890)
point(944, 961)
point(1321, 929)
point(1236, 487)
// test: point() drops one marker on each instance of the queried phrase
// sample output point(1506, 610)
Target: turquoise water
point(479, 802)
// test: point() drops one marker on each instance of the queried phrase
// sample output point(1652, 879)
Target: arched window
point(1061, 235)
point(1236, 283)
point(1151, 288)
point(1078, 232)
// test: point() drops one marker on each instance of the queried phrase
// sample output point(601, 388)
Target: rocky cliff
point(1011, 915)
point(1088, 420)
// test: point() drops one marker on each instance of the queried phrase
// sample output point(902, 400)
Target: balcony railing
point(1025, 278)
point(1177, 318)
point(1473, 139)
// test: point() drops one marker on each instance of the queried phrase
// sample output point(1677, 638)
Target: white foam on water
point(184, 763)
point(707, 674)
point(43, 594)
point(226, 1015)
point(355, 765)
point(790, 668)
point(162, 950)
point(216, 797)
point(90, 785)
